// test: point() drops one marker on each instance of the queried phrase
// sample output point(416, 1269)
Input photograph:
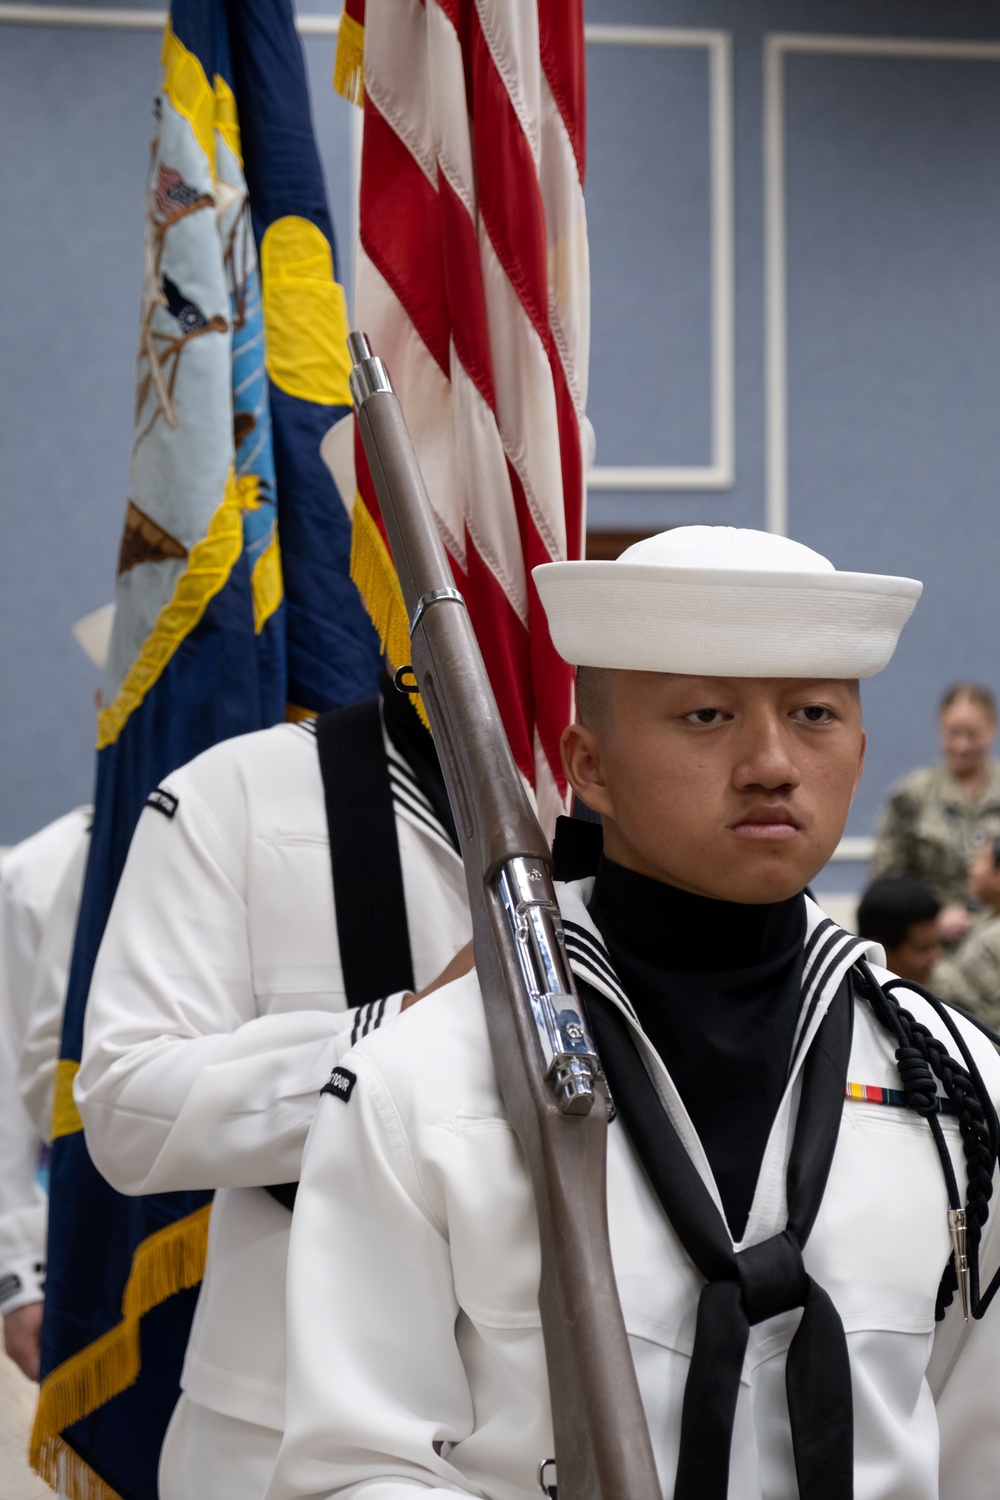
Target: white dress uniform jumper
point(809, 1340)
point(218, 1010)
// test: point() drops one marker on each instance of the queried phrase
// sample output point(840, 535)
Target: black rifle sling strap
point(364, 854)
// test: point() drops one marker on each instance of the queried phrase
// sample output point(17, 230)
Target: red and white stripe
point(473, 282)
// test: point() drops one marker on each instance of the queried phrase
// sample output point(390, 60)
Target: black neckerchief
point(756, 1283)
point(717, 988)
point(413, 740)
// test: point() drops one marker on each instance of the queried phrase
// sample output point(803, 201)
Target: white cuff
point(21, 1282)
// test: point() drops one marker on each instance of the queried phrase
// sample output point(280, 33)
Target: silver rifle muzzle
point(369, 374)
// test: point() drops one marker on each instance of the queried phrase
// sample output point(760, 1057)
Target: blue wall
point(893, 294)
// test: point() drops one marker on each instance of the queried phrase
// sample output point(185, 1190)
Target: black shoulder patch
point(164, 801)
point(340, 1083)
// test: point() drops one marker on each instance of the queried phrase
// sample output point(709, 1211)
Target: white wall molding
point(719, 473)
point(107, 18)
point(853, 849)
point(777, 47)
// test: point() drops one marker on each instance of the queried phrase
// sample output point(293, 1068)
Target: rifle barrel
point(545, 1059)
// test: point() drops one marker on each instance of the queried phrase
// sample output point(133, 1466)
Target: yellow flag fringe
point(169, 1261)
point(349, 63)
point(71, 1476)
point(374, 577)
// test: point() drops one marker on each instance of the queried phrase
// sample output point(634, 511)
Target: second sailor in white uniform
point(218, 1009)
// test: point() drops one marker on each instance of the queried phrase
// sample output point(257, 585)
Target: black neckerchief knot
point(746, 1287)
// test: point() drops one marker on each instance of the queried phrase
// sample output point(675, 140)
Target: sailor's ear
point(861, 760)
point(580, 749)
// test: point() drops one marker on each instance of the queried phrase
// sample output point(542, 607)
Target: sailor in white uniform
point(790, 1140)
point(219, 1007)
point(40, 882)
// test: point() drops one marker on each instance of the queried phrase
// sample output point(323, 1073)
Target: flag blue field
point(332, 647)
point(234, 608)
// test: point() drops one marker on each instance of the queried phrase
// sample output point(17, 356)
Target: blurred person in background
point(935, 817)
point(901, 913)
point(970, 976)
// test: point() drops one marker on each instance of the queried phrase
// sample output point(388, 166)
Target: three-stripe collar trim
point(408, 796)
point(829, 953)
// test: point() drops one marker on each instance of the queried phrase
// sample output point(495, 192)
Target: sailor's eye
point(815, 713)
point(705, 716)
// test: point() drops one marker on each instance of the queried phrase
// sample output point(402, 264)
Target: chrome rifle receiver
point(571, 1062)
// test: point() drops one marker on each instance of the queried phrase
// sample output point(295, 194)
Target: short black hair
point(892, 905)
point(593, 696)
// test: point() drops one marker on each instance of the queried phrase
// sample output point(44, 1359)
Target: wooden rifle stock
point(545, 1062)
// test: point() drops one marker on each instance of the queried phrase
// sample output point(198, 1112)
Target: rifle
point(545, 1059)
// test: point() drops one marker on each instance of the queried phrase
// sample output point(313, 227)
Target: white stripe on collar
point(830, 952)
point(408, 797)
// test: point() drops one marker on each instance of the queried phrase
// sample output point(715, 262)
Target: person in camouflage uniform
point(971, 975)
point(936, 815)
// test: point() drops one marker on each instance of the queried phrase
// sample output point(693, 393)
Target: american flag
point(172, 194)
point(473, 284)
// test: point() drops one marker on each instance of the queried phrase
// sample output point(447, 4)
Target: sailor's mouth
point(767, 823)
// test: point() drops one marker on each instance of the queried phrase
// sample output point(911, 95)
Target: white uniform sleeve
point(22, 1202)
point(20, 933)
point(375, 1376)
point(22, 1254)
point(182, 1084)
point(47, 1001)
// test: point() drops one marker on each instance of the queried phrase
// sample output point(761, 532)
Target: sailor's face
point(736, 788)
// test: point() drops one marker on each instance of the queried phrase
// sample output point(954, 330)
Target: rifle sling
point(368, 893)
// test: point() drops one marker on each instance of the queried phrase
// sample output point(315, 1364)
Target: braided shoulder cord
point(978, 1208)
point(920, 1057)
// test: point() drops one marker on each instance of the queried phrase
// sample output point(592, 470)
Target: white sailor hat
point(715, 601)
point(93, 633)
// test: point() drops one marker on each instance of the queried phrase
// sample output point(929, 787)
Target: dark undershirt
point(716, 986)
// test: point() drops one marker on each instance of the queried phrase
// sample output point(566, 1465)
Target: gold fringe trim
point(349, 63)
point(166, 1262)
point(209, 565)
point(295, 715)
point(267, 583)
point(71, 1475)
point(65, 1115)
point(374, 577)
